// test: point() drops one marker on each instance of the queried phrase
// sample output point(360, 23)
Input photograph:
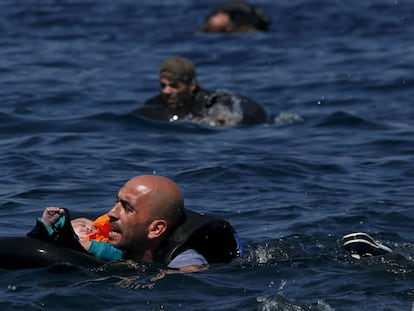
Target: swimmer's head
point(178, 82)
point(220, 22)
point(236, 16)
point(83, 227)
point(178, 69)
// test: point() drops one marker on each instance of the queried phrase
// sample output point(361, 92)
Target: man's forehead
point(170, 77)
point(133, 188)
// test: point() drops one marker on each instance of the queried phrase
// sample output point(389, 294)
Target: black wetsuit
point(211, 237)
point(207, 108)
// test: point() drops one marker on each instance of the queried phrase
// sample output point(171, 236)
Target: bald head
point(161, 196)
point(148, 208)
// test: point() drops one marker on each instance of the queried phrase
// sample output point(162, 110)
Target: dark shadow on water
point(341, 119)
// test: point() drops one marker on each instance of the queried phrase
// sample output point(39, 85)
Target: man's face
point(130, 218)
point(176, 93)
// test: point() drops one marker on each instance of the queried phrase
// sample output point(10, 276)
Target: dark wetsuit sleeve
point(64, 236)
point(153, 108)
point(40, 232)
point(154, 101)
point(253, 113)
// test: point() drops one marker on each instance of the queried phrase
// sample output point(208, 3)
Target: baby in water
point(92, 235)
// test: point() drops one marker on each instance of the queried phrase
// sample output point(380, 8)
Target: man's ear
point(156, 228)
point(193, 85)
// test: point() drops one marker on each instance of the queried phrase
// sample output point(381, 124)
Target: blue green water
point(336, 77)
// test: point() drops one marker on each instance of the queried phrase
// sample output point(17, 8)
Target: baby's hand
point(51, 215)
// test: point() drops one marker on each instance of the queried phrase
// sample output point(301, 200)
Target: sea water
point(336, 157)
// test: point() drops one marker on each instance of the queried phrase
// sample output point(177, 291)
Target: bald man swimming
point(148, 209)
point(149, 223)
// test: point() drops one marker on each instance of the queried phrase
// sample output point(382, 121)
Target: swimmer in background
point(182, 98)
point(235, 17)
point(92, 235)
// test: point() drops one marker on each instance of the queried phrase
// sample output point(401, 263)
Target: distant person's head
point(178, 81)
point(219, 22)
point(148, 208)
point(235, 16)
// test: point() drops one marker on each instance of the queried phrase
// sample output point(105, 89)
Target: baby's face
point(83, 227)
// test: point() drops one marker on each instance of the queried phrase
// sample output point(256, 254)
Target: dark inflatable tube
point(28, 253)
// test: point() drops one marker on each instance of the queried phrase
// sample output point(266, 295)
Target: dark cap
point(182, 69)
